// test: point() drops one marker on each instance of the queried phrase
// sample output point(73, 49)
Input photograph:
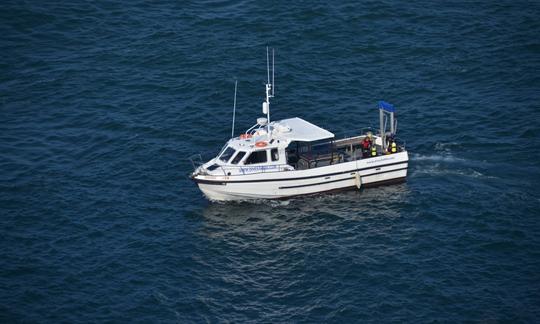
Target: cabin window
point(238, 157)
point(212, 167)
point(275, 155)
point(225, 156)
point(256, 157)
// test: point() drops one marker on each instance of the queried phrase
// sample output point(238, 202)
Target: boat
point(293, 157)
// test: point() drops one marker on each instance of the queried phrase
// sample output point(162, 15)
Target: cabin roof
point(297, 129)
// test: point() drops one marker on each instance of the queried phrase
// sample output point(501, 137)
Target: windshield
point(222, 149)
point(226, 155)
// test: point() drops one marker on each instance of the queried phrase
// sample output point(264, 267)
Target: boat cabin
point(265, 147)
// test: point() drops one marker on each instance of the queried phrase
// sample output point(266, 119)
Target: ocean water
point(101, 103)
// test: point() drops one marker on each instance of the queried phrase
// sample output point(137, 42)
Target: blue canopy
point(386, 106)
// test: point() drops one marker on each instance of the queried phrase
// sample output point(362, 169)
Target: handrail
point(364, 130)
point(196, 161)
point(252, 128)
point(347, 138)
point(260, 168)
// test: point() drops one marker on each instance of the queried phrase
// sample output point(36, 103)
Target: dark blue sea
point(101, 104)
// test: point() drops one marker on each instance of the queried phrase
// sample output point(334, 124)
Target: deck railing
point(254, 169)
point(196, 161)
point(314, 160)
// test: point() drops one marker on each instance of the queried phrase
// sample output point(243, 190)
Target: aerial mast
point(269, 89)
point(234, 108)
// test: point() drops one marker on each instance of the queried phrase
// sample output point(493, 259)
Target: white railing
point(196, 161)
point(254, 169)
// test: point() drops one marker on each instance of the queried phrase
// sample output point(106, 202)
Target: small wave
point(437, 157)
point(162, 298)
point(446, 147)
point(270, 203)
point(436, 170)
point(277, 203)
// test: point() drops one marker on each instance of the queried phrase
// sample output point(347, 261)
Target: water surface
point(102, 103)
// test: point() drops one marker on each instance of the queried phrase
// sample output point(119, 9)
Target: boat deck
point(343, 150)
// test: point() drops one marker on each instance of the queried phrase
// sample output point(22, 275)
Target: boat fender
point(358, 180)
point(261, 144)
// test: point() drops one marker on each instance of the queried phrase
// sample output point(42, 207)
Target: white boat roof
point(297, 129)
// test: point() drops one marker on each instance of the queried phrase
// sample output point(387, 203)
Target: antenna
point(267, 65)
point(269, 90)
point(273, 84)
point(234, 108)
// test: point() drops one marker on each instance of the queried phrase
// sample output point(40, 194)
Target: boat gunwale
point(224, 181)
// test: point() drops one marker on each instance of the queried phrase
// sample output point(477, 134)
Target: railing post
point(382, 131)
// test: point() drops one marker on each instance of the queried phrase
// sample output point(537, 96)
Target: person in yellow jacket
point(392, 148)
point(373, 150)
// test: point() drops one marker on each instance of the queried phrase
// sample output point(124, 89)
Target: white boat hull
point(277, 185)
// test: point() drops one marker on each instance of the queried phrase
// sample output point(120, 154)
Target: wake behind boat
point(293, 157)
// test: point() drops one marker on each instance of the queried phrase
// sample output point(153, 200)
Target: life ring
point(261, 144)
point(245, 136)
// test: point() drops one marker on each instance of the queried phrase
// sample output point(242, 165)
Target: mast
point(269, 90)
point(234, 108)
